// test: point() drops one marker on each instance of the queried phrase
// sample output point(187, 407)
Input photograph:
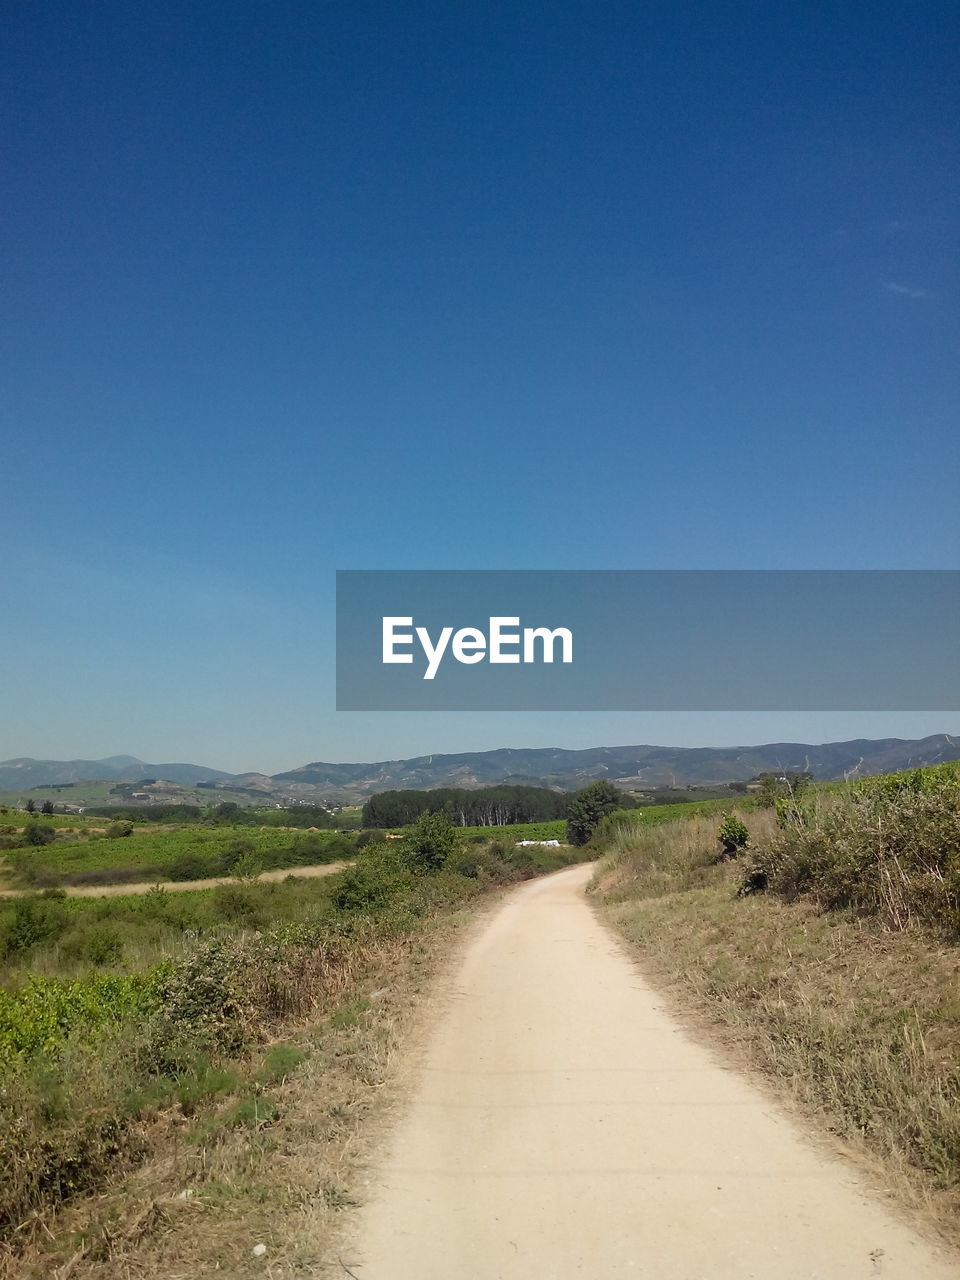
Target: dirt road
point(564, 1125)
point(178, 886)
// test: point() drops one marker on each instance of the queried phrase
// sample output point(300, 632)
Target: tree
point(37, 833)
point(587, 806)
point(429, 844)
point(47, 806)
point(30, 807)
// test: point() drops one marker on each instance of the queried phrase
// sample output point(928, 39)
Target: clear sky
point(300, 286)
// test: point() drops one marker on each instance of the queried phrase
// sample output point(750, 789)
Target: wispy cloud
point(904, 291)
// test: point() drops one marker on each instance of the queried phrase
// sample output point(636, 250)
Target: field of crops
point(59, 821)
point(180, 853)
point(555, 830)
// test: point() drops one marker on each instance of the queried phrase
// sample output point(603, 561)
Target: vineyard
point(178, 853)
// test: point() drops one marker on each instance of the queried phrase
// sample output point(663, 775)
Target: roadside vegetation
point(151, 1047)
point(822, 934)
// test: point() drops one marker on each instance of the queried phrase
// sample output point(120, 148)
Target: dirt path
point(178, 886)
point(564, 1125)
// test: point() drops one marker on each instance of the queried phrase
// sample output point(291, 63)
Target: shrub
point(371, 836)
point(119, 830)
point(733, 836)
point(37, 833)
point(232, 853)
point(34, 921)
point(380, 875)
point(235, 903)
point(892, 851)
point(104, 946)
point(188, 866)
point(429, 843)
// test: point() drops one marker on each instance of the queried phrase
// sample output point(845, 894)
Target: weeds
point(838, 982)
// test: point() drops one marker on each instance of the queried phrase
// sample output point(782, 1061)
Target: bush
point(37, 833)
point(119, 830)
point(188, 866)
point(233, 853)
point(429, 843)
point(34, 921)
point(733, 836)
point(378, 878)
point(889, 851)
point(371, 836)
point(104, 945)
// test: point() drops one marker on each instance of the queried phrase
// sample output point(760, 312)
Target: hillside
point(637, 767)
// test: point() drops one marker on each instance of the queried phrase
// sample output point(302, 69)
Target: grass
point(209, 1067)
point(132, 933)
point(150, 855)
point(273, 1157)
point(18, 818)
point(858, 1023)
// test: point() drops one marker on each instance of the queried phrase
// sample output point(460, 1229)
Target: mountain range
point(635, 767)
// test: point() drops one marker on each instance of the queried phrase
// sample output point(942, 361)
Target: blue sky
point(301, 287)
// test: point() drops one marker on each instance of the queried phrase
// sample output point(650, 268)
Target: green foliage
point(733, 835)
point(34, 921)
point(119, 830)
point(624, 820)
point(105, 945)
point(888, 847)
point(482, 806)
point(281, 1061)
point(37, 834)
point(38, 1017)
point(378, 878)
point(430, 842)
point(148, 855)
point(587, 806)
point(775, 787)
point(188, 866)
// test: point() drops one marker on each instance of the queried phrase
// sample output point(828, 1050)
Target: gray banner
point(648, 640)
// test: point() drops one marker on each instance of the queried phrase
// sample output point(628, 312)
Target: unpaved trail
point(178, 886)
point(564, 1125)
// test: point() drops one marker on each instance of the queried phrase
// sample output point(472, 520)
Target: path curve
point(178, 886)
point(565, 1125)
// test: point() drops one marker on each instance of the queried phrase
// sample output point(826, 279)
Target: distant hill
point(23, 773)
point(637, 768)
point(641, 767)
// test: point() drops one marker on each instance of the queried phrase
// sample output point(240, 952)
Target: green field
point(554, 830)
point(62, 821)
point(153, 854)
point(72, 937)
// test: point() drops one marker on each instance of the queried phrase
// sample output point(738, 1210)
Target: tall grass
point(889, 848)
point(84, 1062)
point(842, 981)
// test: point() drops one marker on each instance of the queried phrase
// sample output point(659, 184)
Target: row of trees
point(500, 806)
point(485, 807)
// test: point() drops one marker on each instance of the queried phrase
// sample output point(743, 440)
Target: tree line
point(486, 807)
point(500, 806)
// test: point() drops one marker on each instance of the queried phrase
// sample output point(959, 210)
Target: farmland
point(187, 852)
point(116, 1012)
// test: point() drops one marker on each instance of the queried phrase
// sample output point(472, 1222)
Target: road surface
point(564, 1125)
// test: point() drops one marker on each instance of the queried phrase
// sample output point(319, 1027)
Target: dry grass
point(859, 1025)
point(274, 1164)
